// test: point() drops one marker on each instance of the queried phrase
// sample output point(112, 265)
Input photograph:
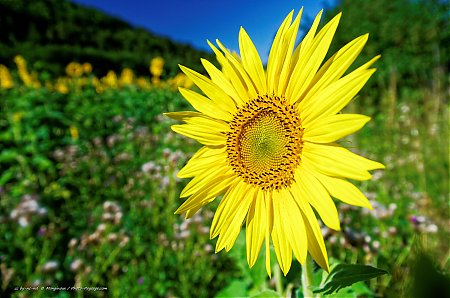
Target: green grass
point(101, 206)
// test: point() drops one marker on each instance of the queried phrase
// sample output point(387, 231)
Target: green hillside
point(53, 33)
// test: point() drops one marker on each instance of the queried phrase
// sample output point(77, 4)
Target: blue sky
point(195, 21)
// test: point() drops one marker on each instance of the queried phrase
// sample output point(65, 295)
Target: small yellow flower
point(34, 80)
point(143, 83)
point(181, 80)
point(6, 81)
point(74, 132)
point(17, 116)
point(61, 86)
point(19, 60)
point(110, 79)
point(126, 77)
point(96, 82)
point(156, 69)
point(23, 71)
point(98, 85)
point(74, 69)
point(99, 89)
point(188, 83)
point(87, 68)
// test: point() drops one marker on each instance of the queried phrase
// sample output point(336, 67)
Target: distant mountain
point(52, 33)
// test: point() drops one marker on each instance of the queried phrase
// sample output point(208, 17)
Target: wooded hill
point(52, 33)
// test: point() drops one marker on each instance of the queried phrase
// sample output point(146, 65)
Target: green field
point(97, 210)
point(88, 190)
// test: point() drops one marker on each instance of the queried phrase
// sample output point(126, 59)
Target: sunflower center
point(265, 142)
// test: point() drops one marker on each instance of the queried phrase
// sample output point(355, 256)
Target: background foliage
point(87, 172)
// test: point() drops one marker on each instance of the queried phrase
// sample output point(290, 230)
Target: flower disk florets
point(264, 143)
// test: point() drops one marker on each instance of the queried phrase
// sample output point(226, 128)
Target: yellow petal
point(228, 203)
point(229, 71)
point(309, 62)
point(337, 161)
point(191, 212)
point(316, 245)
point(235, 218)
point(294, 58)
point(285, 72)
point(207, 193)
point(232, 75)
point(304, 45)
point(343, 190)
point(276, 54)
point(281, 244)
point(199, 119)
point(332, 128)
point(293, 226)
point(336, 66)
point(307, 41)
point(205, 150)
point(256, 227)
point(205, 105)
point(215, 172)
point(226, 65)
point(252, 62)
point(335, 97)
point(269, 227)
point(201, 134)
point(343, 155)
point(318, 197)
point(211, 90)
point(208, 123)
point(252, 93)
point(219, 79)
point(198, 164)
point(181, 116)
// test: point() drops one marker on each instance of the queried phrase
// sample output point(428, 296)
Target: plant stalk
point(307, 277)
point(277, 276)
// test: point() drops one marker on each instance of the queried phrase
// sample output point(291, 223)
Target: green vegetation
point(88, 181)
point(411, 37)
point(97, 209)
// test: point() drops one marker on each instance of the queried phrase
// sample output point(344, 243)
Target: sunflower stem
point(277, 276)
point(307, 277)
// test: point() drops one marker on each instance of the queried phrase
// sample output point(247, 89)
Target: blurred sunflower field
point(88, 165)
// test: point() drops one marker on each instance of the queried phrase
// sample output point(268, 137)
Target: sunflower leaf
point(344, 275)
point(237, 288)
point(266, 293)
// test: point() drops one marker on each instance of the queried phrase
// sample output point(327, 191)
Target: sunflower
point(269, 137)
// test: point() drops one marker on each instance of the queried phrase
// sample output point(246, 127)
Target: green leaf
point(266, 293)
point(236, 288)
point(8, 155)
point(6, 176)
point(41, 162)
point(356, 290)
point(6, 136)
point(344, 275)
point(255, 276)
